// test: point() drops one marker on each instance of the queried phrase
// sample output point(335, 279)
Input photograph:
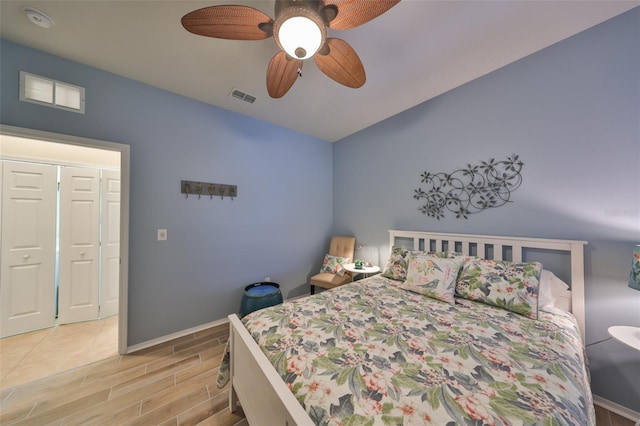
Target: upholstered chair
point(340, 246)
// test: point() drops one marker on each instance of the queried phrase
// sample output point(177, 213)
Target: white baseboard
point(616, 408)
point(163, 339)
point(172, 336)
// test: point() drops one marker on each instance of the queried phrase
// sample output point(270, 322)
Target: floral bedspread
point(371, 353)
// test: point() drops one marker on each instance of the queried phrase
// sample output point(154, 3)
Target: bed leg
point(313, 289)
point(233, 400)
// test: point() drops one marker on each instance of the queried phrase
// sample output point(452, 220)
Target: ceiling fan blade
point(342, 64)
point(281, 74)
point(352, 13)
point(229, 22)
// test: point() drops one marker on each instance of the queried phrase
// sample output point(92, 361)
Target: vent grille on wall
point(239, 94)
point(45, 91)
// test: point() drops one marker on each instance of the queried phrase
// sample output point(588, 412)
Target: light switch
point(162, 235)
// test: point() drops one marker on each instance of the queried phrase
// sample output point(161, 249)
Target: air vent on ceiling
point(239, 94)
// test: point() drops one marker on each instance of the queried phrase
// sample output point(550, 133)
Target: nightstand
point(366, 270)
point(628, 335)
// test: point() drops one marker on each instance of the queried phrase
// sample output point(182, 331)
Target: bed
point(398, 348)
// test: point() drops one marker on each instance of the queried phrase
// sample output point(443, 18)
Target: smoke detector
point(38, 18)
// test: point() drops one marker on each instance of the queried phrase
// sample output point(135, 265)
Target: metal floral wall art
point(469, 190)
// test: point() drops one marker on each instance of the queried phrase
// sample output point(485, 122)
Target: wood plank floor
point(173, 383)
point(170, 384)
point(605, 417)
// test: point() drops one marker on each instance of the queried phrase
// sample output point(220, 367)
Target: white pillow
point(550, 285)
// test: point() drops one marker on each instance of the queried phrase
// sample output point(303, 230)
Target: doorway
point(8, 134)
point(58, 218)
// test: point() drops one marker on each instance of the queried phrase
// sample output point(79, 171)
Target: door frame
point(125, 162)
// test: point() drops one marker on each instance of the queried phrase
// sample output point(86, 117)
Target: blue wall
point(572, 113)
point(278, 226)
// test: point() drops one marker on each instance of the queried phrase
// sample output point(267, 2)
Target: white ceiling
point(412, 53)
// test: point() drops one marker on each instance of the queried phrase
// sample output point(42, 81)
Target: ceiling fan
point(300, 31)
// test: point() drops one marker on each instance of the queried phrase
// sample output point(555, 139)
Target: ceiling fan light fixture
point(300, 32)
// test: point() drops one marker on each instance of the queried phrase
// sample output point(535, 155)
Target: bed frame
point(266, 399)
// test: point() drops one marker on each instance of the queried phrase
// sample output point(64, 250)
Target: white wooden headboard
point(499, 248)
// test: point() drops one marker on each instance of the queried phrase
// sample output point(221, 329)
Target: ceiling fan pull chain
point(299, 72)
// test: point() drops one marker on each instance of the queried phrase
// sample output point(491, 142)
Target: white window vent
point(239, 94)
point(56, 94)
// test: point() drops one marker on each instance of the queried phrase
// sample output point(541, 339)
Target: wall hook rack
point(190, 187)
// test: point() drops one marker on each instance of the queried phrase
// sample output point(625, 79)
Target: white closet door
point(27, 265)
point(110, 243)
point(79, 244)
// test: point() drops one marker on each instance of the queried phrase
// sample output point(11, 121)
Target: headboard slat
point(516, 253)
point(498, 253)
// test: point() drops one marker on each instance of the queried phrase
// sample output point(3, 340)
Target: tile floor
point(29, 356)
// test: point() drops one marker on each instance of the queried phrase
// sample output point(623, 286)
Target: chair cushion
point(340, 246)
point(326, 280)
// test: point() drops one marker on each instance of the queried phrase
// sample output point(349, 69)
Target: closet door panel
point(110, 241)
point(79, 244)
point(27, 265)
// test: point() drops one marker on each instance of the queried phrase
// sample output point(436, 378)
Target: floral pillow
point(433, 276)
point(396, 268)
point(507, 285)
point(334, 264)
